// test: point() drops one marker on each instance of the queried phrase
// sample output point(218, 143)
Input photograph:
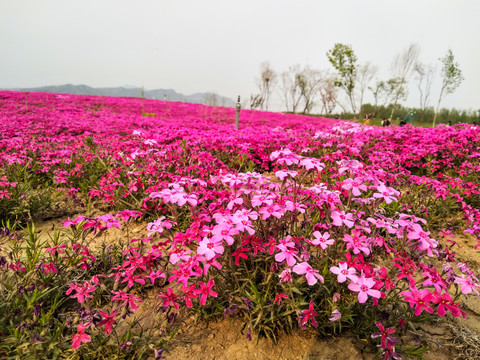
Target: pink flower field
point(291, 222)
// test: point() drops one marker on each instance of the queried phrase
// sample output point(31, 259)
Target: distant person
point(408, 117)
point(367, 118)
point(384, 122)
point(449, 123)
point(388, 122)
point(403, 122)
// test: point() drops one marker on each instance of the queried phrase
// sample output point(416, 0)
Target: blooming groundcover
point(289, 222)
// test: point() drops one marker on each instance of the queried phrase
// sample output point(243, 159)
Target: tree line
point(346, 84)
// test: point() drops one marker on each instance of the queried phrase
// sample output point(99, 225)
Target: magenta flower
point(385, 334)
point(155, 275)
point(364, 287)
point(418, 299)
point(169, 298)
point(190, 293)
point(81, 291)
point(50, 267)
point(108, 320)
point(205, 290)
point(80, 337)
point(308, 315)
point(445, 301)
point(279, 297)
point(127, 298)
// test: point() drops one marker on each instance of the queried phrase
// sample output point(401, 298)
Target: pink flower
point(286, 275)
point(224, 231)
point(339, 218)
point(110, 221)
point(271, 210)
point(335, 316)
point(159, 225)
point(80, 337)
point(355, 185)
point(344, 272)
point(311, 274)
point(286, 253)
point(357, 242)
point(364, 287)
point(322, 240)
point(210, 248)
point(4, 193)
point(56, 249)
point(311, 163)
point(467, 285)
point(282, 174)
point(387, 193)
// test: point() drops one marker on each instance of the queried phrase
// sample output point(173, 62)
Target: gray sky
point(218, 45)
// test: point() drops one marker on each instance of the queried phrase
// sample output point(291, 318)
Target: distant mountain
point(132, 91)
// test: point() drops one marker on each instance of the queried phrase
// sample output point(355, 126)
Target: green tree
point(451, 78)
point(344, 61)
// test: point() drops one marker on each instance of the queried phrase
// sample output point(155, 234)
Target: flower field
point(290, 222)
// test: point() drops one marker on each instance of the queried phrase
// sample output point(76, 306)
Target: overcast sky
point(217, 45)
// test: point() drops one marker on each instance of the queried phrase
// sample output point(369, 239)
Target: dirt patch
point(223, 340)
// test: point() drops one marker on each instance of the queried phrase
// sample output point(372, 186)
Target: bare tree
point(424, 76)
point(365, 74)
point(384, 91)
point(308, 80)
point(266, 84)
point(402, 66)
point(210, 99)
point(290, 89)
point(256, 101)
point(328, 93)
